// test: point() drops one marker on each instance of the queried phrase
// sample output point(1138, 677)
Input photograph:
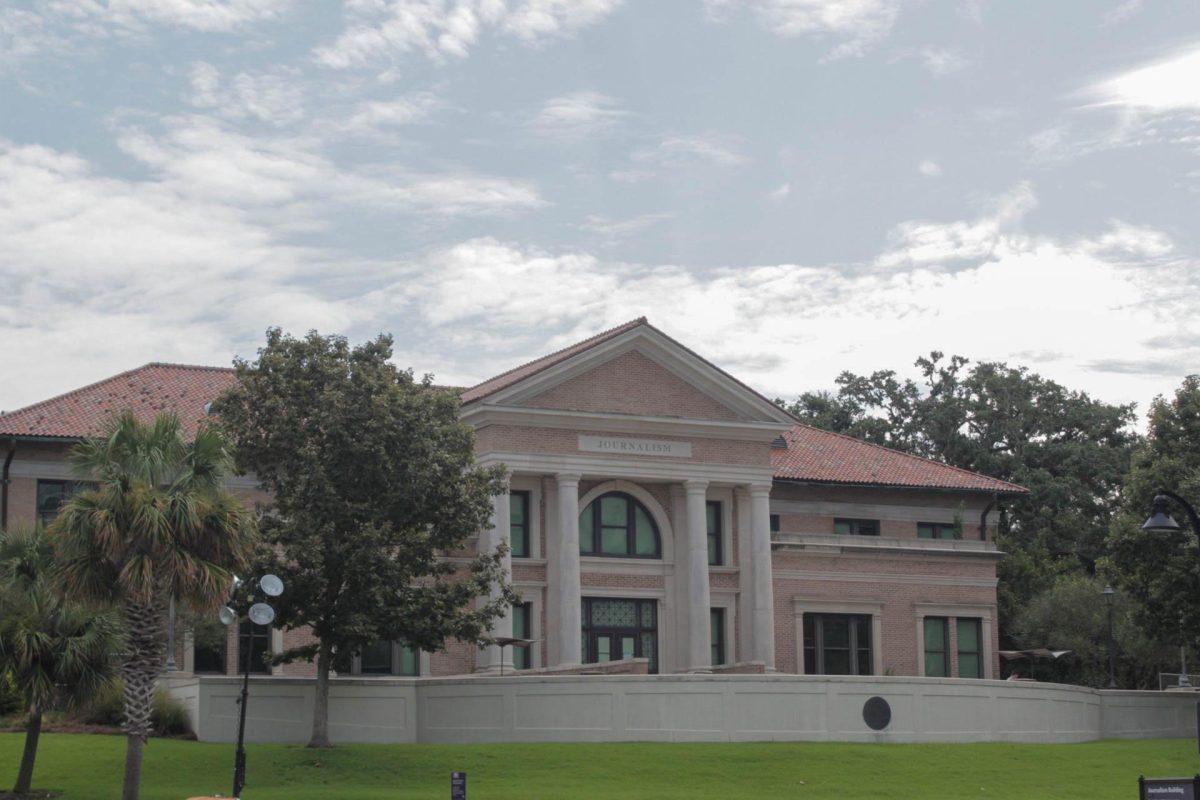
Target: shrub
point(168, 718)
point(10, 699)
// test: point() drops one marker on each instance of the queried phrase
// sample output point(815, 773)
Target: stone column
point(564, 572)
point(698, 612)
point(489, 540)
point(764, 585)
point(745, 562)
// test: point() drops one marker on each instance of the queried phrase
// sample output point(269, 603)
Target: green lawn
point(89, 768)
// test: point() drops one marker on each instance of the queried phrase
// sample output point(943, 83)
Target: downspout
point(8, 459)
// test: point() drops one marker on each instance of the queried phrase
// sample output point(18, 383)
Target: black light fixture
point(1108, 593)
point(1160, 520)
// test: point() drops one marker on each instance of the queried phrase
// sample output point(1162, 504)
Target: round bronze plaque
point(877, 713)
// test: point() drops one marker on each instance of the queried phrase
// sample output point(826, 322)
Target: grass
point(89, 768)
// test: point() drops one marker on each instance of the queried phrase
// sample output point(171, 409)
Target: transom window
point(615, 629)
point(616, 524)
point(937, 530)
point(837, 644)
point(52, 494)
point(518, 521)
point(856, 527)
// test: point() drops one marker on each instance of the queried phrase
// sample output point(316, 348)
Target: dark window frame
point(716, 545)
point(395, 663)
point(590, 632)
point(522, 655)
point(255, 633)
point(856, 525)
point(938, 530)
point(520, 545)
point(220, 655)
point(631, 506)
point(977, 653)
point(717, 621)
point(774, 523)
point(817, 650)
point(944, 652)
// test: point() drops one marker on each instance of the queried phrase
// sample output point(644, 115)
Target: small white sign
point(634, 447)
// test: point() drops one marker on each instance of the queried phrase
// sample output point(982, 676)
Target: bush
point(169, 717)
point(10, 699)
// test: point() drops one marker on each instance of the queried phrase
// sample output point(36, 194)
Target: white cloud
point(781, 192)
point(1122, 11)
point(929, 168)
point(921, 242)
point(942, 61)
point(382, 30)
point(373, 117)
point(577, 114)
point(690, 149)
point(276, 98)
point(1168, 85)
point(136, 15)
point(858, 24)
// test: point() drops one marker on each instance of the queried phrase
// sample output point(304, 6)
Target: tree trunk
point(33, 730)
point(140, 668)
point(134, 746)
point(320, 728)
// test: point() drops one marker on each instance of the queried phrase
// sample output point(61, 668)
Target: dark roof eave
point(31, 437)
point(1021, 492)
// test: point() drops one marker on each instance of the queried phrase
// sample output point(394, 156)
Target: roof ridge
point(109, 379)
point(582, 343)
point(909, 455)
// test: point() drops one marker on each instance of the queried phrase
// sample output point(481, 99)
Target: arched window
point(615, 524)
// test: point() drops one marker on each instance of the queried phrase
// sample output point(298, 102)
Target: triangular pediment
point(640, 372)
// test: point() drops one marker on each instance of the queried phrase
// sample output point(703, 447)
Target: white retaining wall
point(694, 708)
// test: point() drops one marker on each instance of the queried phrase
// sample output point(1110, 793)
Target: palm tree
point(159, 524)
point(57, 651)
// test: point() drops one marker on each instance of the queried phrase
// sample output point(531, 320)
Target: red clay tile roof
point(520, 373)
point(145, 391)
point(818, 456)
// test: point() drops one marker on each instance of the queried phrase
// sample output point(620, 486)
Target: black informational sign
point(1169, 788)
point(458, 786)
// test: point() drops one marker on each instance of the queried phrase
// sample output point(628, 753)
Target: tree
point(1071, 451)
point(1163, 570)
point(157, 524)
point(56, 651)
point(373, 480)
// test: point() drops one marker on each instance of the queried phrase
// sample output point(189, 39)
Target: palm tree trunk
point(33, 730)
point(140, 669)
point(320, 728)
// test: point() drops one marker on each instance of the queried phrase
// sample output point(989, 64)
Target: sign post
point(458, 786)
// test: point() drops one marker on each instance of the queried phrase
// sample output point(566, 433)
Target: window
point(52, 494)
point(856, 527)
point(387, 658)
point(970, 647)
point(838, 644)
point(937, 530)
point(518, 521)
point(615, 524)
point(253, 641)
point(715, 554)
point(937, 648)
point(209, 642)
point(522, 620)
point(717, 616)
point(774, 523)
point(617, 629)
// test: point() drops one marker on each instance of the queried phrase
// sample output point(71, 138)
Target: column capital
point(567, 478)
point(692, 486)
point(759, 489)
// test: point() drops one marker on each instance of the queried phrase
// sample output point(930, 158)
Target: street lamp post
point(1112, 655)
point(247, 599)
point(1161, 521)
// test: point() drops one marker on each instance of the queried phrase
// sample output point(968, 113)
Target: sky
point(792, 188)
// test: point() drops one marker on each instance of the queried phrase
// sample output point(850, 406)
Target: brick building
point(659, 509)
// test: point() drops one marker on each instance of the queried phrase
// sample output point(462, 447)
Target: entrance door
point(613, 646)
point(616, 629)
